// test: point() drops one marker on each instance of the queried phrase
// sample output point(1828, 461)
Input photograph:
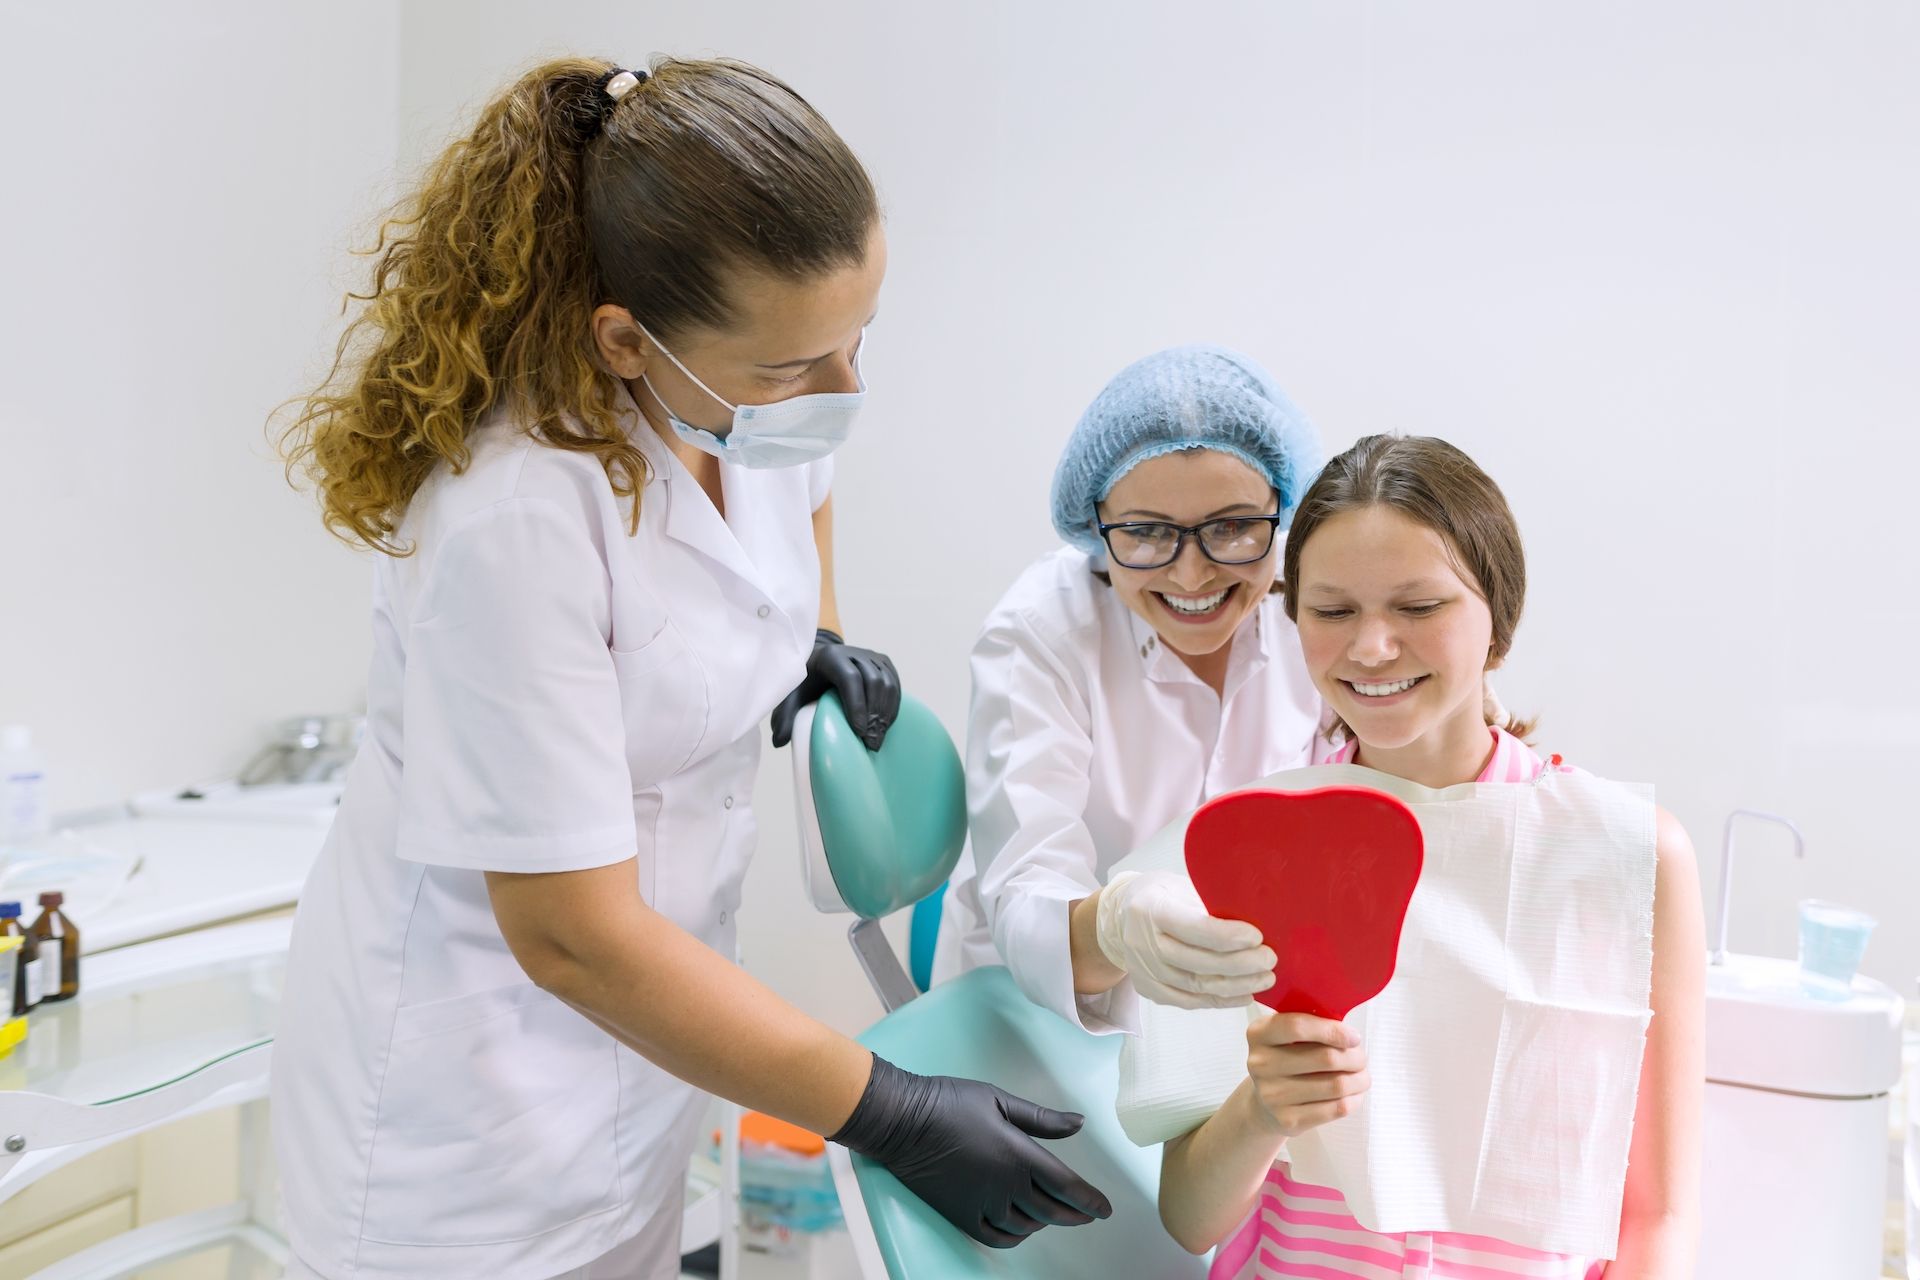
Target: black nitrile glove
point(868, 686)
point(968, 1150)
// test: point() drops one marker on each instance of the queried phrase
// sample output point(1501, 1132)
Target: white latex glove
point(1153, 925)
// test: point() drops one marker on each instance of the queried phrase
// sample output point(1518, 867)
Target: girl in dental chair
point(1405, 574)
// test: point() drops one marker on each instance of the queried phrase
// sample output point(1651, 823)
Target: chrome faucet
point(306, 749)
point(1719, 955)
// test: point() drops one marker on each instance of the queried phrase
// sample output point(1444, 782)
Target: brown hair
point(1434, 484)
point(558, 200)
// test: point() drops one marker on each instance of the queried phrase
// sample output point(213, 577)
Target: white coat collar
point(690, 517)
point(1251, 652)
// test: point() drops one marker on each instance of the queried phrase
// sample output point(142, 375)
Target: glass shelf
point(138, 1036)
point(236, 1259)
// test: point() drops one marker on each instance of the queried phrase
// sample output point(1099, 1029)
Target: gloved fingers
point(873, 693)
point(1043, 1208)
point(1051, 1175)
point(1038, 1121)
point(991, 1236)
point(1147, 989)
point(883, 698)
point(1017, 1222)
point(1176, 965)
point(1238, 963)
point(1180, 998)
point(1226, 1002)
point(1147, 967)
point(1165, 983)
point(845, 677)
point(1235, 988)
point(879, 693)
point(783, 716)
point(1049, 1211)
point(1156, 980)
point(1196, 928)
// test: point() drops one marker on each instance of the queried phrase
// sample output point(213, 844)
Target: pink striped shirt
point(1297, 1230)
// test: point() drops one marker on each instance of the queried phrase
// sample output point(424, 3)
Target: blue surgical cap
point(1199, 397)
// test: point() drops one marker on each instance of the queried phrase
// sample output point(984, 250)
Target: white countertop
point(195, 863)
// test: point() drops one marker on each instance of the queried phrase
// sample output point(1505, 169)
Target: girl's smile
point(1397, 639)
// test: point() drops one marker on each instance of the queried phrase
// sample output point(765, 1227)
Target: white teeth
point(1196, 604)
point(1382, 690)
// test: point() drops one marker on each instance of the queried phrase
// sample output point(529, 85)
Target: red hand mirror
point(1325, 875)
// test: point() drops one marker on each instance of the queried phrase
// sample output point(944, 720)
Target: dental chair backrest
point(879, 830)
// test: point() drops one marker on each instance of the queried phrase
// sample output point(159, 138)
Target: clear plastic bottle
point(25, 819)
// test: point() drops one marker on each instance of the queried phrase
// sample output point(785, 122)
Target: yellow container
point(12, 1030)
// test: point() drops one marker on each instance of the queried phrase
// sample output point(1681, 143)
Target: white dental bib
point(1505, 1053)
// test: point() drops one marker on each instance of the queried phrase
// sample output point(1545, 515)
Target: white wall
point(1652, 264)
point(181, 183)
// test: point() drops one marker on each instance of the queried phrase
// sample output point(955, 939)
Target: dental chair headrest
point(879, 830)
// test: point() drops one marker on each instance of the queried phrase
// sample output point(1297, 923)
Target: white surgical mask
point(786, 433)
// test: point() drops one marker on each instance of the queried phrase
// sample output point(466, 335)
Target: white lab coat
point(1086, 735)
point(547, 693)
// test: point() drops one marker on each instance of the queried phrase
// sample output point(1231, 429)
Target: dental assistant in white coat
point(1128, 677)
point(586, 416)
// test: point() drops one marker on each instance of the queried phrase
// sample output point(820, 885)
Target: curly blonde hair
point(559, 200)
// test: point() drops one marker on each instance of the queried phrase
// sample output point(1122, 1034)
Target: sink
point(1765, 1032)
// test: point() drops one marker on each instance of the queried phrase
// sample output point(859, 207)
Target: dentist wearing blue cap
point(1126, 678)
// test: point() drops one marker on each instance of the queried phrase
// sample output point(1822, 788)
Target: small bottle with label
point(59, 945)
point(26, 975)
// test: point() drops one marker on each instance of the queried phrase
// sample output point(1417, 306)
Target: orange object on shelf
point(769, 1132)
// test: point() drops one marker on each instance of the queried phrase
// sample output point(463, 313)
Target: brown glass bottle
point(59, 945)
point(26, 974)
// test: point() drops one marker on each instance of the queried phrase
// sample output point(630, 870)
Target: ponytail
point(1497, 716)
point(558, 200)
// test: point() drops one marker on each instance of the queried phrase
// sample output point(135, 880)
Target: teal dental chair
point(880, 832)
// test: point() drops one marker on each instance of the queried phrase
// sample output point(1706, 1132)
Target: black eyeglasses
point(1153, 544)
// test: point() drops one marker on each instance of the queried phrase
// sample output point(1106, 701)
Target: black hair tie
point(617, 84)
point(609, 87)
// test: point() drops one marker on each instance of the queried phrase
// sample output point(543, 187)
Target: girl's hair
point(558, 200)
point(1434, 484)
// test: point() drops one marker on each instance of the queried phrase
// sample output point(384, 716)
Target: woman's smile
point(1196, 609)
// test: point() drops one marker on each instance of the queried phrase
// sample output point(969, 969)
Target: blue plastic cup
point(1832, 941)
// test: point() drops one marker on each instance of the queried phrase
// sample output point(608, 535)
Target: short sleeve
point(512, 730)
point(819, 482)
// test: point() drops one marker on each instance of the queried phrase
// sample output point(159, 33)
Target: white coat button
point(723, 917)
point(763, 611)
point(727, 803)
